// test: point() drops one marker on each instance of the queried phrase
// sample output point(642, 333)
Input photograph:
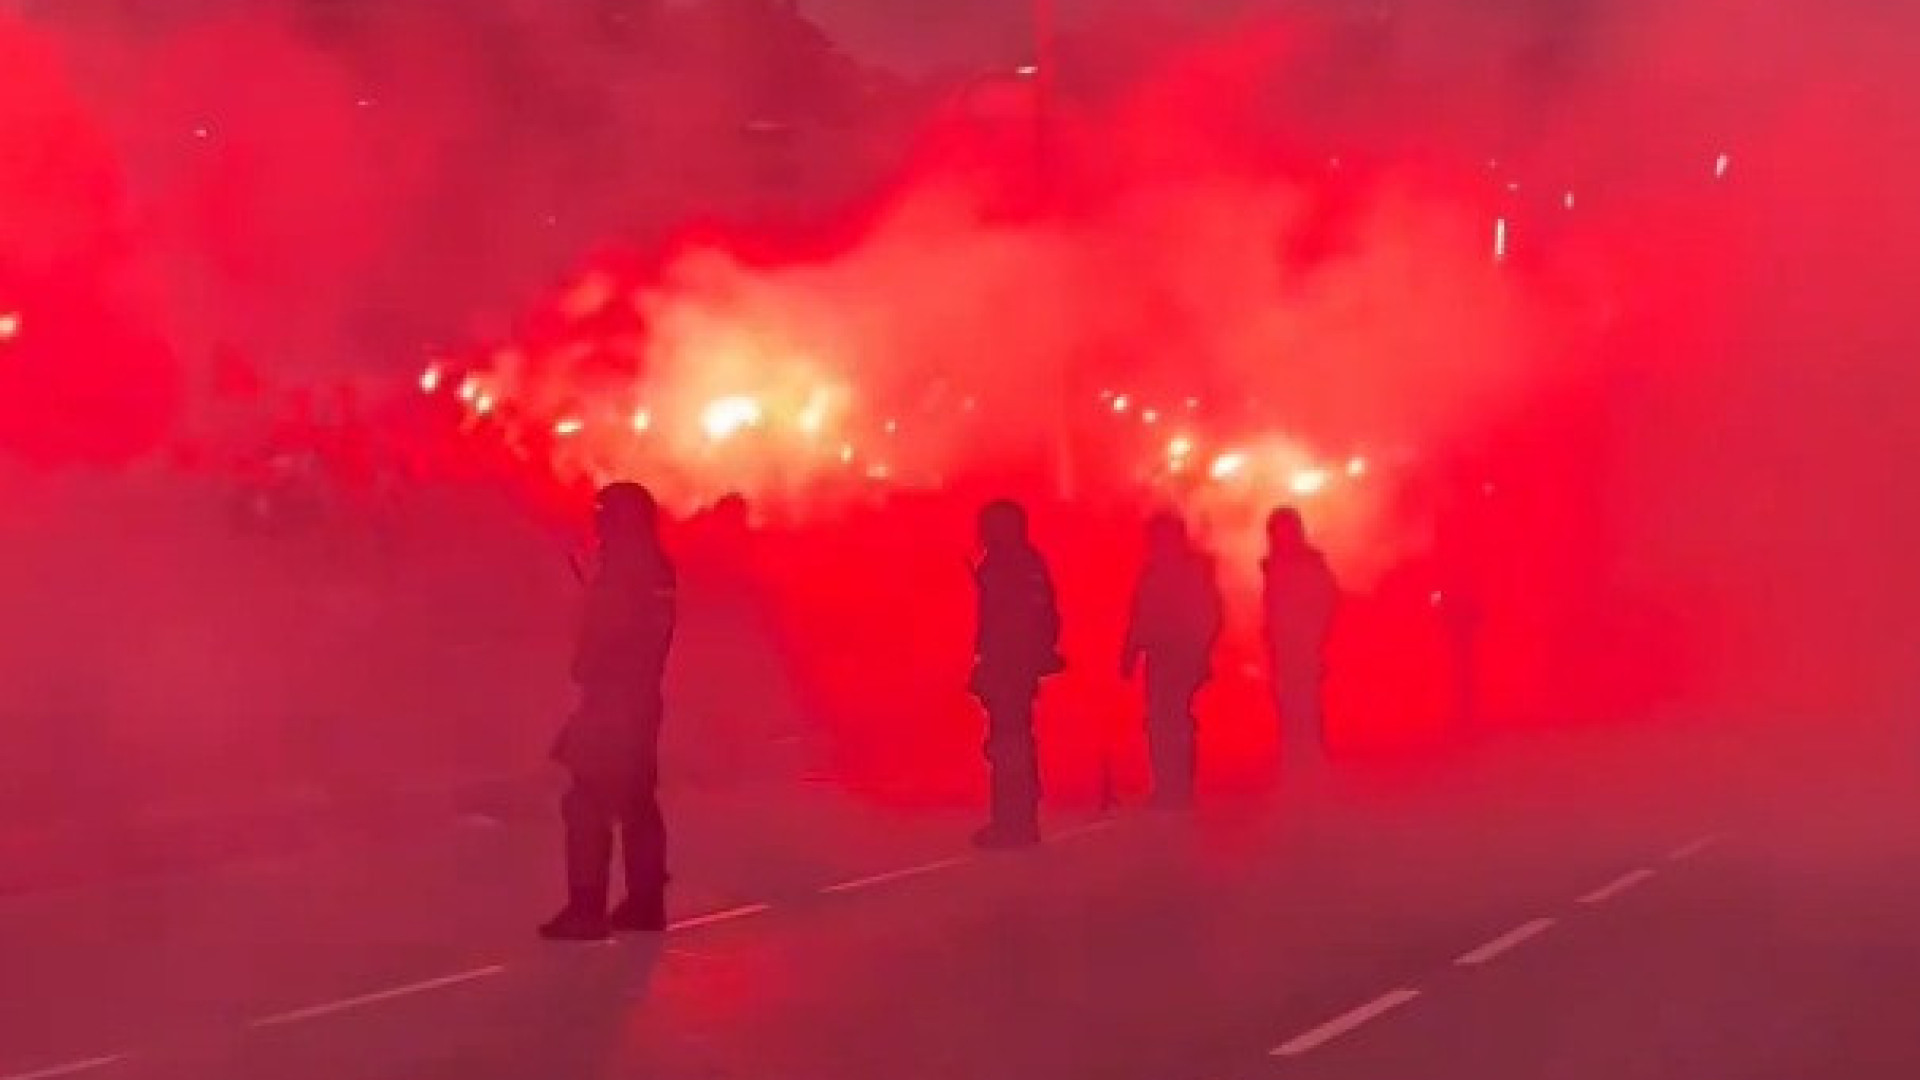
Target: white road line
point(312, 1012)
point(1340, 1025)
point(1085, 830)
point(1688, 851)
point(1617, 886)
point(896, 875)
point(73, 1068)
point(742, 912)
point(1513, 938)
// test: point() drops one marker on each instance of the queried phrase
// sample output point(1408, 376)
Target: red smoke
point(1295, 231)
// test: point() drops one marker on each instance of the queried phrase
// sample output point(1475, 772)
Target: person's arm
point(1131, 648)
point(591, 645)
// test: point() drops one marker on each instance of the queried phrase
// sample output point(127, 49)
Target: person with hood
point(1175, 623)
point(611, 744)
point(1299, 599)
point(1016, 645)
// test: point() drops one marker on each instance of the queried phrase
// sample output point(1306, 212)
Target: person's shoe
point(999, 837)
point(636, 915)
point(583, 919)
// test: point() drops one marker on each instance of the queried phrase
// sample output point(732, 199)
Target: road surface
point(1601, 907)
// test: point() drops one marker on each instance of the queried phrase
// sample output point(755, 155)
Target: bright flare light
point(725, 417)
point(9, 326)
point(1229, 464)
point(429, 379)
point(642, 420)
point(1499, 239)
point(1357, 467)
point(568, 427)
point(1308, 481)
point(814, 416)
point(1720, 166)
point(1122, 403)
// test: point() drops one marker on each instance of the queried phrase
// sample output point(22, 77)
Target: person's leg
point(1014, 764)
point(1170, 734)
point(589, 854)
point(1296, 694)
point(643, 843)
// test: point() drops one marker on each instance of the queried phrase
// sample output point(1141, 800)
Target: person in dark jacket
point(1016, 644)
point(611, 744)
point(1300, 596)
point(1175, 622)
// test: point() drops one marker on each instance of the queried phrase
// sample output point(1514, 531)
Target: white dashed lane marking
point(1344, 1023)
point(329, 1008)
point(72, 1068)
point(1512, 939)
point(896, 875)
point(744, 911)
point(1688, 851)
point(1617, 886)
point(1086, 830)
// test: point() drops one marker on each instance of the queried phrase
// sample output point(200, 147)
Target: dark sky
point(913, 35)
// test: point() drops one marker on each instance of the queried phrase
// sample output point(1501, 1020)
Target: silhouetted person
point(1175, 622)
point(1457, 603)
point(1299, 600)
point(1016, 644)
point(611, 744)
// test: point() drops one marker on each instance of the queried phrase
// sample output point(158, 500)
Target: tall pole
point(1045, 72)
point(1043, 90)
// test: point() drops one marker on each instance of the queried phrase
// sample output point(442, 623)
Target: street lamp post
point(1043, 73)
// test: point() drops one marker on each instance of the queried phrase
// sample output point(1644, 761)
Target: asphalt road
point(1622, 907)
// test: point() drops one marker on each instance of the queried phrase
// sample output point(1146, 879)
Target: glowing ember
point(1308, 481)
point(1568, 200)
point(1179, 446)
point(1357, 467)
point(1231, 463)
point(567, 427)
point(1150, 416)
point(469, 389)
point(814, 416)
point(1499, 239)
point(1122, 403)
point(846, 453)
point(642, 420)
point(725, 417)
point(9, 326)
point(429, 379)
point(483, 404)
point(1720, 166)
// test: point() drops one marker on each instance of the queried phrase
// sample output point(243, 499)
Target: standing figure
point(611, 744)
point(1299, 600)
point(1175, 623)
point(1016, 644)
